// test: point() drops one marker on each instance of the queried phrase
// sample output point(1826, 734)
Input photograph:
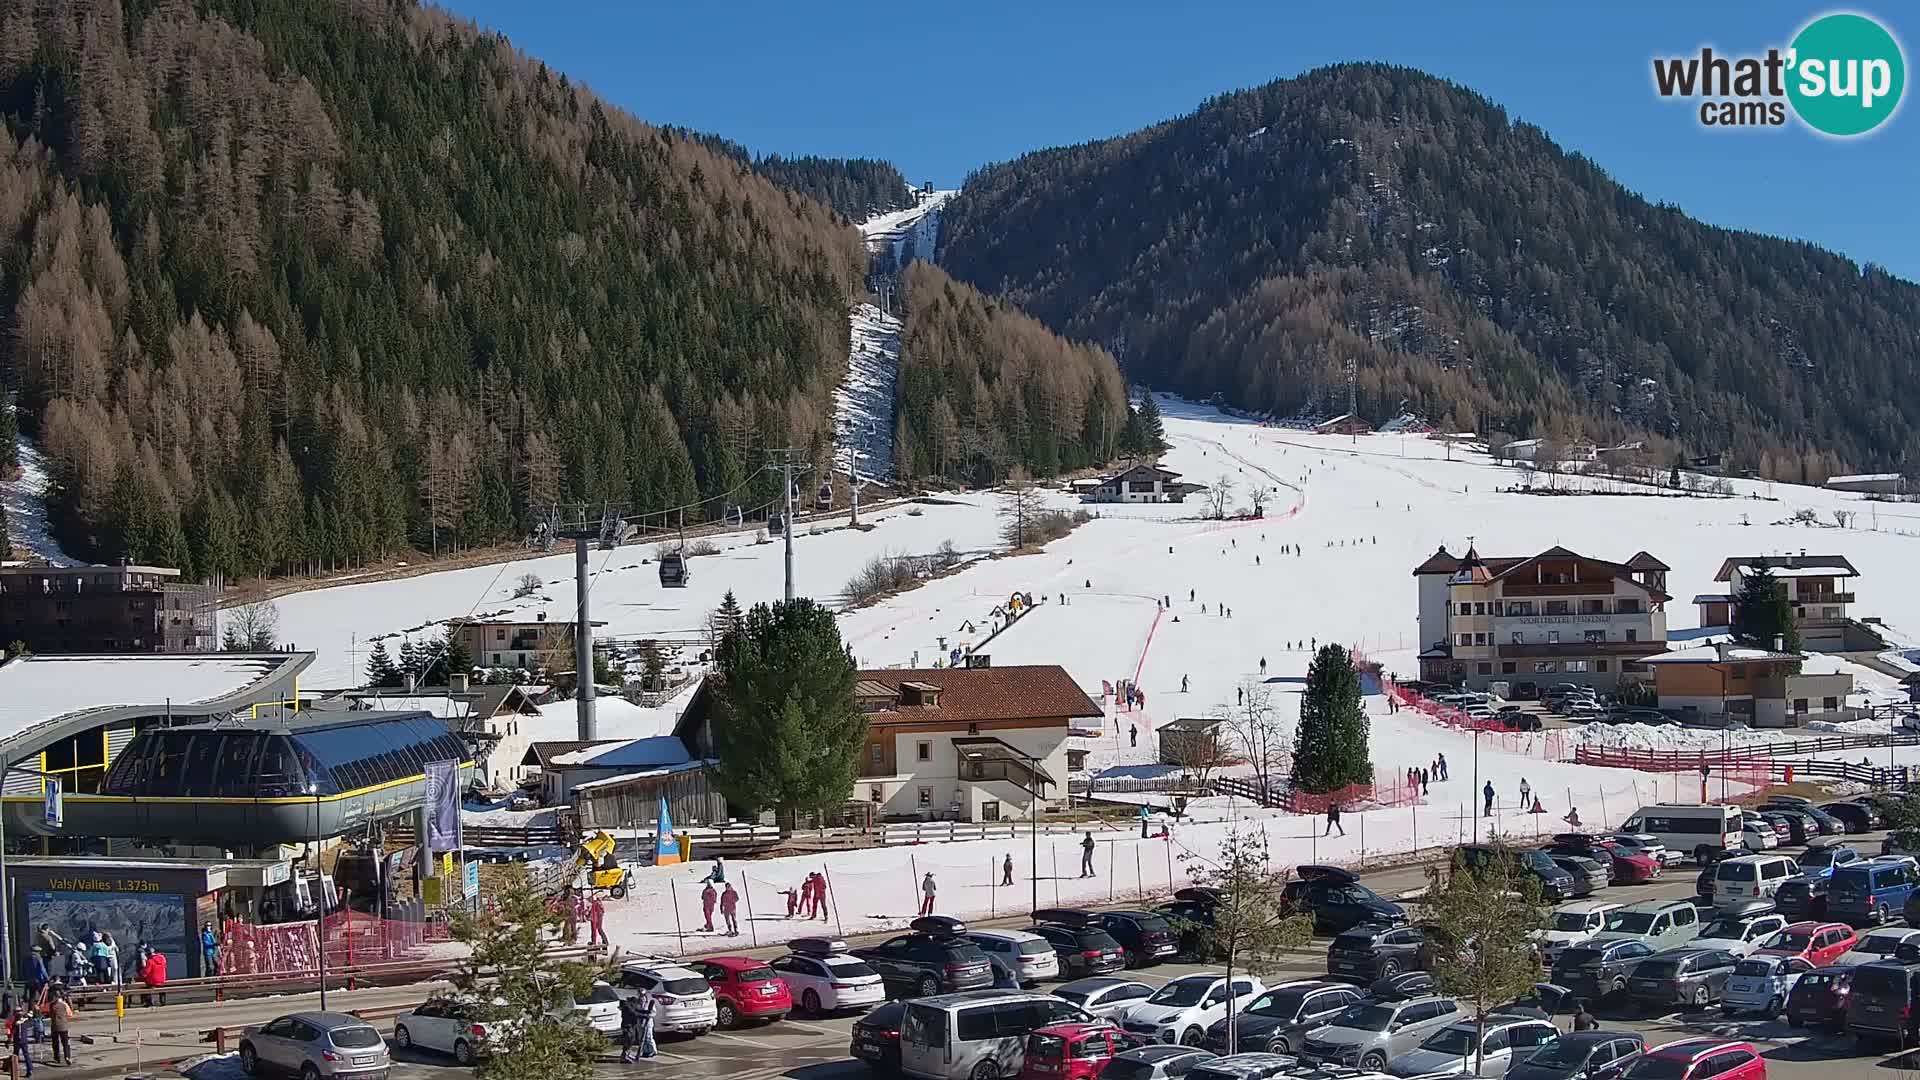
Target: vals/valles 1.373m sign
point(1842, 75)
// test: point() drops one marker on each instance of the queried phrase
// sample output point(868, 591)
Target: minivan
point(1750, 877)
point(1868, 893)
point(1881, 1003)
point(1698, 831)
point(977, 1033)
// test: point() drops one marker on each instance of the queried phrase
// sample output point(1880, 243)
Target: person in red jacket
point(153, 972)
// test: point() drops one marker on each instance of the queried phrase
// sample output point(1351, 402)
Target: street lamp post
point(1476, 783)
point(320, 923)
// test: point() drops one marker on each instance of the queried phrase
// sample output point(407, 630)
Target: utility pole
point(853, 486)
point(1353, 397)
point(785, 461)
point(608, 531)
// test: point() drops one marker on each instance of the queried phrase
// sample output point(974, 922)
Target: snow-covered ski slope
point(1383, 502)
point(912, 233)
point(863, 402)
point(25, 500)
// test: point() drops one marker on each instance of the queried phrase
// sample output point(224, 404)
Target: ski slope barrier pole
point(833, 897)
point(746, 889)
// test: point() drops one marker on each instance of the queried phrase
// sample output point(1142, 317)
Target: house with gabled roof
point(1554, 617)
point(1142, 483)
point(1820, 588)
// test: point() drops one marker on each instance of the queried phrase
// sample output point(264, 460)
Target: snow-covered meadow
point(1359, 513)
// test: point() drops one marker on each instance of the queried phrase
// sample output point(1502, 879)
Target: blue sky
point(942, 89)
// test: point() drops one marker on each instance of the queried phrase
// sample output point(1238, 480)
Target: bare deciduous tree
point(1020, 505)
point(1259, 733)
point(252, 628)
point(1220, 496)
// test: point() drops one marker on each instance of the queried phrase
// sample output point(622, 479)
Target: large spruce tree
point(1330, 751)
point(787, 733)
point(1762, 613)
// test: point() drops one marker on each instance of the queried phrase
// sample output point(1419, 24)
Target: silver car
point(1154, 1063)
point(1371, 1034)
point(315, 1045)
point(1452, 1048)
point(1104, 996)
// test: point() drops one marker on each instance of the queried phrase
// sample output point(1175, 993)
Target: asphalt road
point(816, 1048)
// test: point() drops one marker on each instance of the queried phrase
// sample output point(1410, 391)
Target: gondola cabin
point(674, 571)
point(824, 499)
point(776, 525)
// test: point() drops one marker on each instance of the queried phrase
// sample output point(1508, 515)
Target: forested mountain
point(983, 387)
point(1477, 273)
point(294, 283)
point(857, 187)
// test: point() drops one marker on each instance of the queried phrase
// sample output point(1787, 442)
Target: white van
point(977, 1033)
point(1750, 877)
point(1700, 831)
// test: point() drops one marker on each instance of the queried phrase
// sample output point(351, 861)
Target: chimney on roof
point(1779, 643)
point(541, 617)
point(410, 683)
point(457, 682)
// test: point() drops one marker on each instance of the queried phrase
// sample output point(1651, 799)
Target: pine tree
point(459, 658)
point(380, 667)
point(723, 618)
point(1331, 749)
point(788, 736)
point(409, 661)
point(1153, 431)
point(1762, 613)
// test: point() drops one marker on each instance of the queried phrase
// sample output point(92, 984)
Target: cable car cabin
point(674, 572)
point(776, 525)
point(824, 500)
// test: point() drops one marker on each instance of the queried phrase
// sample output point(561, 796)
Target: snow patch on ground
point(25, 499)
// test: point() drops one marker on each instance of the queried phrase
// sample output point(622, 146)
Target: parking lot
point(815, 1048)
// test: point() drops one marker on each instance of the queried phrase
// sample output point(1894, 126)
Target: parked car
point(1803, 827)
point(1191, 915)
point(1879, 945)
point(1243, 1067)
point(1867, 893)
point(1374, 951)
point(1750, 877)
point(1758, 835)
point(1648, 845)
point(1824, 854)
point(1402, 987)
point(1555, 883)
point(745, 990)
point(1628, 865)
point(1155, 1063)
point(1582, 710)
point(1082, 950)
point(1183, 1009)
point(1803, 897)
point(1703, 884)
point(1819, 998)
point(1599, 968)
point(977, 1033)
point(821, 977)
point(1880, 1007)
point(1687, 977)
point(1589, 875)
point(1074, 1051)
point(1572, 924)
point(315, 1044)
point(1104, 996)
point(876, 1037)
point(1760, 984)
point(600, 1009)
point(445, 1026)
point(1505, 1039)
point(1829, 825)
point(1742, 929)
point(1524, 691)
point(683, 1003)
point(1370, 1034)
point(935, 958)
point(1581, 1055)
point(1337, 899)
point(1856, 817)
point(1544, 1002)
point(1028, 955)
point(1650, 717)
point(1662, 924)
point(1146, 936)
point(1818, 943)
point(1781, 825)
point(1280, 1017)
point(1698, 1059)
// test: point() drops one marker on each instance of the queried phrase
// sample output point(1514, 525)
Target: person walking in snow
point(1333, 820)
point(1263, 665)
point(708, 898)
point(1488, 792)
point(597, 922)
point(1189, 596)
point(1006, 869)
point(927, 889)
point(1086, 855)
point(1256, 560)
point(820, 896)
point(1526, 790)
point(1133, 734)
point(1183, 684)
point(729, 904)
point(1425, 778)
point(793, 898)
point(1443, 766)
point(1239, 695)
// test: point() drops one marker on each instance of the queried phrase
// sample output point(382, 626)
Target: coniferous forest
point(1477, 274)
point(292, 284)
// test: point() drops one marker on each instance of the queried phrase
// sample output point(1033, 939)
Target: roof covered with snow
point(36, 690)
point(1719, 653)
point(650, 752)
point(1787, 565)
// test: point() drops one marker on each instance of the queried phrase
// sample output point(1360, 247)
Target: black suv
point(1803, 897)
point(1191, 919)
point(934, 959)
point(1084, 949)
point(1145, 935)
point(1881, 1003)
point(1375, 951)
point(1555, 883)
point(1338, 900)
point(1599, 968)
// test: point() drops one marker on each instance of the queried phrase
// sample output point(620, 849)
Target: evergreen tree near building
point(787, 735)
point(409, 661)
point(1330, 750)
point(381, 670)
point(723, 618)
point(459, 658)
point(1762, 612)
point(1153, 431)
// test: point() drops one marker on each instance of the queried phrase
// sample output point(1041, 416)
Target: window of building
point(1466, 639)
point(1632, 634)
point(1558, 607)
point(1627, 605)
point(1509, 668)
point(1519, 638)
point(874, 752)
point(874, 794)
point(990, 810)
point(1553, 637)
point(1593, 607)
point(1545, 667)
point(1600, 665)
point(1486, 669)
point(1479, 639)
point(499, 633)
point(1520, 607)
point(1595, 636)
point(1479, 609)
point(1829, 704)
point(1739, 672)
point(923, 751)
point(1576, 666)
point(1466, 608)
point(926, 796)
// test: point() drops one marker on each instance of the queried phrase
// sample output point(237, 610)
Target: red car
point(1817, 943)
point(1633, 869)
point(1074, 1051)
point(744, 989)
point(1697, 1059)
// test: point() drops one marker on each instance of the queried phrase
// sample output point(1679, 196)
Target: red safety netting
point(352, 938)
